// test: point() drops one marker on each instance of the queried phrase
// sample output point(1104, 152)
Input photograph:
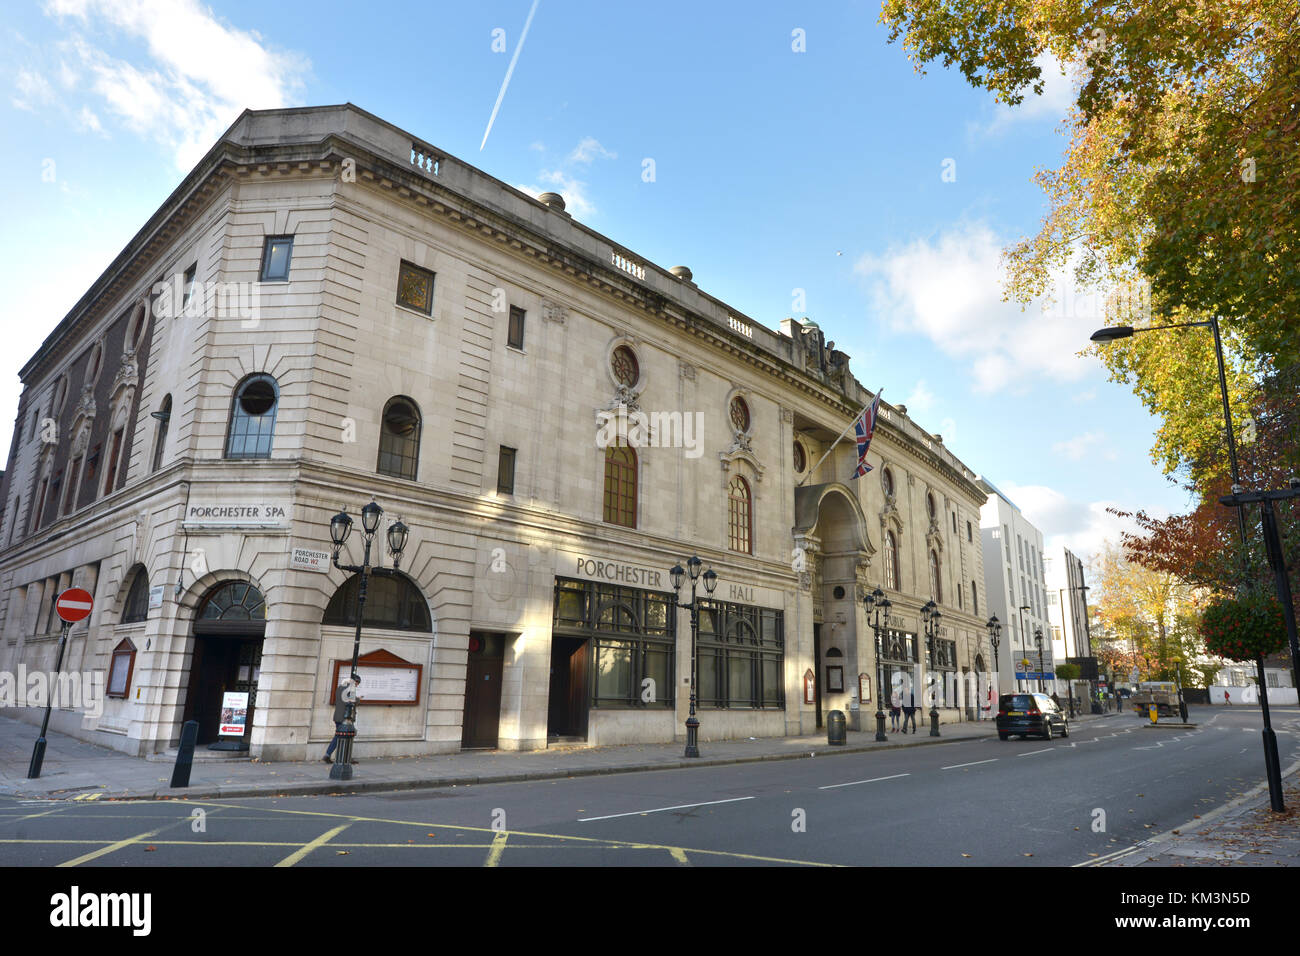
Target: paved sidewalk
point(77, 770)
point(1244, 832)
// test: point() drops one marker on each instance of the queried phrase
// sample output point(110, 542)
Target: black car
point(1026, 714)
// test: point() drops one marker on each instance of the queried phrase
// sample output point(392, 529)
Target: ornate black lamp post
point(931, 616)
point(994, 627)
point(1038, 639)
point(1024, 637)
point(710, 582)
point(879, 604)
point(340, 526)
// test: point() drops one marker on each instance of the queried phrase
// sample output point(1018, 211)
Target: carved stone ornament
point(85, 405)
point(686, 371)
point(624, 397)
point(787, 416)
point(554, 312)
point(128, 375)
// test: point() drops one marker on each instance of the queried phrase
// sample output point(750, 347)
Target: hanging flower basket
point(1244, 628)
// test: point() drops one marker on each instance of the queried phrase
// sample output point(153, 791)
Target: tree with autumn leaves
point(1147, 620)
point(1178, 196)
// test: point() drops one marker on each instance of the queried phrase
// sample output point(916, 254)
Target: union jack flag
point(865, 427)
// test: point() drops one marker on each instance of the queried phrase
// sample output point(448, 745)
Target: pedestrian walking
point(909, 713)
point(347, 694)
point(895, 701)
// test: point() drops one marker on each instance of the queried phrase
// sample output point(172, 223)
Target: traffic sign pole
point(38, 752)
point(72, 605)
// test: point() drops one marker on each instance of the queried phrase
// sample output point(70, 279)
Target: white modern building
point(1067, 609)
point(1017, 593)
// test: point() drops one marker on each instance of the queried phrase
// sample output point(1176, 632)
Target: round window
point(800, 459)
point(626, 370)
point(739, 414)
point(257, 398)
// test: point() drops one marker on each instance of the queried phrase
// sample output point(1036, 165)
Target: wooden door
point(482, 700)
point(578, 693)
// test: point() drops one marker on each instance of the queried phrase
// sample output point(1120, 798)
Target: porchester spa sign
point(236, 513)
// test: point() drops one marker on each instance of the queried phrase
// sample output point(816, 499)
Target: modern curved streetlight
point(1272, 765)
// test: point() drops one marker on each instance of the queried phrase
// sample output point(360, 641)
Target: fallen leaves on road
point(967, 855)
point(150, 849)
point(342, 852)
point(1028, 854)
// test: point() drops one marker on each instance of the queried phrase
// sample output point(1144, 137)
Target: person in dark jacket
point(909, 713)
point(347, 694)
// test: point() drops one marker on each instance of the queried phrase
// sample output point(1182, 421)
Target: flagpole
point(852, 421)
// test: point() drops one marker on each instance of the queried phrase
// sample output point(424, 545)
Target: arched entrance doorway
point(831, 529)
point(228, 630)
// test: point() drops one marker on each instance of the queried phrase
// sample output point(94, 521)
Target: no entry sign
point(74, 605)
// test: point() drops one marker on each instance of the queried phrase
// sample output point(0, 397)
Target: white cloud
point(588, 150)
point(34, 91)
point(1085, 396)
point(950, 290)
point(576, 201)
point(1080, 446)
point(1052, 104)
point(200, 75)
point(1083, 527)
point(87, 120)
point(920, 401)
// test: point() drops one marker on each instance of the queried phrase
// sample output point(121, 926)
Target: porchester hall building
point(328, 311)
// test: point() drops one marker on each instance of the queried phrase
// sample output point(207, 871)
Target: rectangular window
point(40, 505)
point(632, 636)
point(506, 471)
point(74, 476)
point(276, 254)
point(190, 274)
point(115, 449)
point(415, 288)
point(515, 336)
point(741, 657)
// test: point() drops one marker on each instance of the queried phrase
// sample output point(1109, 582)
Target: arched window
point(393, 602)
point(164, 417)
point(974, 599)
point(891, 561)
point(234, 601)
point(399, 439)
point(136, 608)
point(936, 588)
point(740, 516)
point(232, 608)
point(252, 418)
point(620, 486)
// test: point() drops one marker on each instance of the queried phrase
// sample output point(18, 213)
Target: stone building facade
point(328, 311)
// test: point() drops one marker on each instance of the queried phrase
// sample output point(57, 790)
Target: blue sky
point(775, 170)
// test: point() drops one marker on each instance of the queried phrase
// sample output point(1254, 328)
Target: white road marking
point(872, 780)
point(1032, 752)
point(958, 766)
point(684, 806)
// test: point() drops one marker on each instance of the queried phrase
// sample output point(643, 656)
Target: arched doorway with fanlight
point(229, 627)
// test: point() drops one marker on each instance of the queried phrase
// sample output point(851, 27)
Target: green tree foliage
point(1183, 166)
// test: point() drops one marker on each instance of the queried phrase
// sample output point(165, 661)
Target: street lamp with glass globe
point(678, 574)
point(878, 616)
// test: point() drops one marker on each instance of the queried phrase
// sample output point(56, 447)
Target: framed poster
point(385, 679)
point(120, 668)
point(864, 688)
point(234, 715)
point(835, 679)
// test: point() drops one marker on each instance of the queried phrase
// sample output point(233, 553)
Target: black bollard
point(185, 754)
point(934, 722)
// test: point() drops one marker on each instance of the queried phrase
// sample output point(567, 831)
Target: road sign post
point(73, 605)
